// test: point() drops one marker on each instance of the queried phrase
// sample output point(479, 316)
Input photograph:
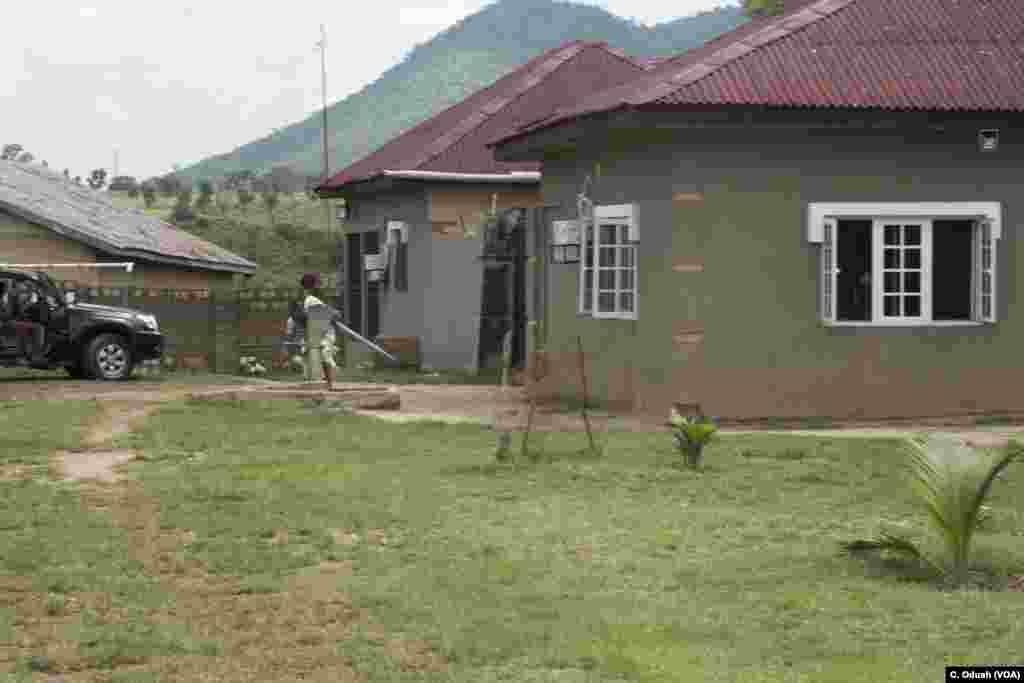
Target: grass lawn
point(308, 540)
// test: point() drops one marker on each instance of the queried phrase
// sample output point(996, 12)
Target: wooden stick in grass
point(586, 396)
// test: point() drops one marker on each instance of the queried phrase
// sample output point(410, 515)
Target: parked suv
point(88, 340)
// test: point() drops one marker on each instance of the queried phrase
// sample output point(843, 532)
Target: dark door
point(503, 300)
point(371, 245)
point(354, 281)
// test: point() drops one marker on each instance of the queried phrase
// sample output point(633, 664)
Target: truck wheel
point(109, 357)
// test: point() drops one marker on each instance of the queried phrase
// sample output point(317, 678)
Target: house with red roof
point(424, 270)
point(818, 214)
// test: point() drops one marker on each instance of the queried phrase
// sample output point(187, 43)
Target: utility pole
point(116, 153)
point(325, 174)
point(323, 93)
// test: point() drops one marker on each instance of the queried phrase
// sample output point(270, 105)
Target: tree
point(11, 152)
point(123, 183)
point(169, 185)
point(67, 173)
point(133, 191)
point(205, 195)
point(26, 158)
point(183, 207)
point(312, 182)
point(78, 179)
point(237, 180)
point(763, 8)
point(270, 200)
point(97, 179)
point(46, 164)
point(244, 198)
point(149, 195)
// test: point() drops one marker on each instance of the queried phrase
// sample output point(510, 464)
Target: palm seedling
point(951, 480)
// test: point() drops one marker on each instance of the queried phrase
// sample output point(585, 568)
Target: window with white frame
point(907, 264)
point(608, 263)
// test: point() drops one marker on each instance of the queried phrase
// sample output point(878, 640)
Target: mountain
point(470, 55)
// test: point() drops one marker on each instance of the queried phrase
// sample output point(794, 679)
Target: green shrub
point(692, 434)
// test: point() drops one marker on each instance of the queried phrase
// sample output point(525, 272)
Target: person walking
point(321, 340)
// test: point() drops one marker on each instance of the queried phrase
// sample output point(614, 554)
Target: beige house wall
point(446, 205)
point(25, 242)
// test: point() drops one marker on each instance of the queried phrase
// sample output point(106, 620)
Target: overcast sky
point(175, 81)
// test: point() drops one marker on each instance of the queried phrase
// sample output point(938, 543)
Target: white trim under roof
point(817, 212)
point(515, 177)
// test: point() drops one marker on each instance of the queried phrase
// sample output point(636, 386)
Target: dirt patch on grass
point(98, 465)
point(415, 655)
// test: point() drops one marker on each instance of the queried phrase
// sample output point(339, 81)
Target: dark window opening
point(952, 243)
point(853, 282)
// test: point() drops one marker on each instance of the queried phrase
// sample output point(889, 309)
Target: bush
point(692, 434)
point(183, 214)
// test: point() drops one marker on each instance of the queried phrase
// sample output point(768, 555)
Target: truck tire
point(108, 357)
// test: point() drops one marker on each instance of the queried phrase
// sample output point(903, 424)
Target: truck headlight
point(148, 321)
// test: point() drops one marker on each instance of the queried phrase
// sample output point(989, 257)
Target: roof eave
point(114, 250)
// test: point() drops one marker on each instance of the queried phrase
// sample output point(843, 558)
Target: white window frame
point(822, 226)
point(622, 216)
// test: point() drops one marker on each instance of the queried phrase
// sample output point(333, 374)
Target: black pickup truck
point(87, 340)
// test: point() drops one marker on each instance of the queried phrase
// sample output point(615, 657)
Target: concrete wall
point(735, 326)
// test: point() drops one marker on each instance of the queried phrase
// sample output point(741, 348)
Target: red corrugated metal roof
point(456, 139)
point(931, 55)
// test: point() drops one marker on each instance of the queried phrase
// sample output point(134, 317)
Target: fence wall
point(206, 329)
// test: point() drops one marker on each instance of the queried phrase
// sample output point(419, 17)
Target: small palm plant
point(692, 434)
point(951, 480)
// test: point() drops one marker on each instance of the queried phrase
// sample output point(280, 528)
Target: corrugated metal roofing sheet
point(81, 213)
point(456, 139)
point(933, 55)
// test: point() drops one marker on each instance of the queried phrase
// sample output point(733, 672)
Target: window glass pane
point(912, 282)
point(606, 257)
point(606, 279)
point(588, 279)
point(912, 306)
point(590, 232)
point(626, 302)
point(892, 258)
point(628, 256)
point(891, 282)
point(608, 234)
point(588, 300)
point(986, 283)
point(912, 258)
point(588, 258)
point(986, 258)
point(623, 234)
point(912, 234)
point(606, 302)
point(892, 234)
point(892, 306)
point(986, 306)
point(627, 279)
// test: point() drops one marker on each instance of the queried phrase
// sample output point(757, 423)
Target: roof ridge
point(773, 31)
point(530, 79)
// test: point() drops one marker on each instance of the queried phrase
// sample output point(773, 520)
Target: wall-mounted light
point(375, 266)
point(988, 140)
point(565, 241)
point(398, 231)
